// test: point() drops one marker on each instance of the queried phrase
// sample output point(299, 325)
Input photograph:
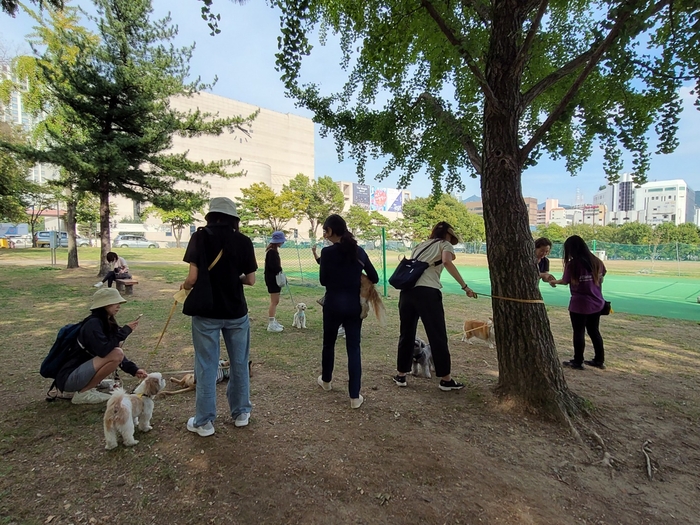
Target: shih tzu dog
point(125, 411)
point(300, 316)
point(422, 359)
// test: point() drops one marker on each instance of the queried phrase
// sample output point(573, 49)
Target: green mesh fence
point(641, 293)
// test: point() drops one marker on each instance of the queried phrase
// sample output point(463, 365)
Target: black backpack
point(62, 349)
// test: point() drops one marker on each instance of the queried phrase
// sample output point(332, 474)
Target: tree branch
point(449, 118)
point(481, 9)
point(624, 16)
point(527, 44)
point(551, 79)
point(457, 42)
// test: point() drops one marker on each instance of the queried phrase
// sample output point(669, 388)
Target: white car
point(19, 241)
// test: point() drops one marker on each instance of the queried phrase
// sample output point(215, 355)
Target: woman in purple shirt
point(584, 272)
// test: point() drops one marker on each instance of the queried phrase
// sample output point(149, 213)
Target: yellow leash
point(179, 297)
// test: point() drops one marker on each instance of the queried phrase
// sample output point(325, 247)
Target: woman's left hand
point(470, 293)
point(141, 373)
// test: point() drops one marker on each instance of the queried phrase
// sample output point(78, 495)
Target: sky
point(242, 57)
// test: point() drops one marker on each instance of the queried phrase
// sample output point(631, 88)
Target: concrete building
point(279, 146)
point(475, 205)
point(544, 211)
point(665, 201)
point(15, 114)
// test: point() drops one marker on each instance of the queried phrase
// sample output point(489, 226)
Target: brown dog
point(370, 297)
point(187, 383)
point(480, 330)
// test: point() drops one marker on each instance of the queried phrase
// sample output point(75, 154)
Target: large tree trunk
point(105, 241)
point(529, 370)
point(70, 228)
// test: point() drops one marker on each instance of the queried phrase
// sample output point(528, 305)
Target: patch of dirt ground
point(409, 455)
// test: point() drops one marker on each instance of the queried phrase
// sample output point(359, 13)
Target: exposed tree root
point(646, 453)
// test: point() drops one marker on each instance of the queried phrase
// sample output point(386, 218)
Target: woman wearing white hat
point(98, 352)
point(228, 257)
point(273, 266)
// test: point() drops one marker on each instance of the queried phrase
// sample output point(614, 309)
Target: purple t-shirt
point(586, 296)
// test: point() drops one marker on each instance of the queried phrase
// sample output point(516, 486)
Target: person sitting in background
point(120, 271)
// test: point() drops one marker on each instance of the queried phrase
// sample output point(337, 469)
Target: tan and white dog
point(369, 297)
point(125, 411)
point(479, 329)
point(300, 316)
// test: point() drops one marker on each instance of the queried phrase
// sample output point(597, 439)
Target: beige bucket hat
point(105, 297)
point(223, 205)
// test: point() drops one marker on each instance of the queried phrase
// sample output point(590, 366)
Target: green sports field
point(672, 297)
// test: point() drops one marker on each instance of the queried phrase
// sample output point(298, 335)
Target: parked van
point(43, 239)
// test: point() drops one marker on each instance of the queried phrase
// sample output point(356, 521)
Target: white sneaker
point(242, 419)
point(274, 327)
point(90, 397)
point(278, 324)
point(99, 285)
point(323, 384)
point(204, 430)
point(357, 403)
point(341, 330)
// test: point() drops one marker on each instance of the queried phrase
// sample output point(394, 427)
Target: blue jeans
point(205, 337)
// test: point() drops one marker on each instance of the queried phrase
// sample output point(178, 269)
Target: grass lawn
point(410, 455)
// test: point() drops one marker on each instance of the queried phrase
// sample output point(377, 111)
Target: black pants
point(113, 276)
point(425, 304)
point(341, 310)
point(582, 323)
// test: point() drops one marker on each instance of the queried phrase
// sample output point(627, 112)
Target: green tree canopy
point(180, 211)
point(260, 203)
point(486, 88)
point(424, 213)
point(315, 200)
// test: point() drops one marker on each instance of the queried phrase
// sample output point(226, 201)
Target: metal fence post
point(384, 258)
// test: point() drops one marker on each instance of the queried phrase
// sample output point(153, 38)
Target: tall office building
point(15, 114)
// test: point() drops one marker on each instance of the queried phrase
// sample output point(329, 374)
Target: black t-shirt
point(238, 258)
point(273, 263)
point(543, 265)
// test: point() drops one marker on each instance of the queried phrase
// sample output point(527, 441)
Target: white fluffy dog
point(125, 411)
point(300, 316)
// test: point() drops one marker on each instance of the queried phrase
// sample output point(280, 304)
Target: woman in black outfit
point(342, 264)
point(98, 352)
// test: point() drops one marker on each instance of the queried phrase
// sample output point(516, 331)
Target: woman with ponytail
point(584, 272)
point(342, 264)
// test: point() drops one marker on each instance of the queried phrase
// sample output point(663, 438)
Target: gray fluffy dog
point(422, 359)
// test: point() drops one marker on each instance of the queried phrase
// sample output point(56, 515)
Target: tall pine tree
point(117, 95)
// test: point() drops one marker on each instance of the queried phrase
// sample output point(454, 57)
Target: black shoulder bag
point(408, 271)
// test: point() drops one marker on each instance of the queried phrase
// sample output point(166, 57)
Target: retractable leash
point(286, 283)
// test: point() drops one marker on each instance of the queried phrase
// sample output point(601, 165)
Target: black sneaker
point(399, 380)
point(450, 385)
point(595, 364)
point(573, 364)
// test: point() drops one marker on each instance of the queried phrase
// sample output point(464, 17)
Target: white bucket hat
point(223, 205)
point(105, 297)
